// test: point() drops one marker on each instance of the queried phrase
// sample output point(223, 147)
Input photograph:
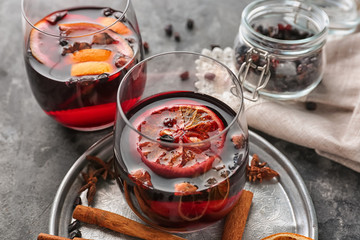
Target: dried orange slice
point(122, 45)
point(92, 54)
point(192, 210)
point(179, 124)
point(79, 28)
point(90, 68)
point(142, 178)
point(287, 236)
point(219, 192)
point(118, 27)
point(185, 188)
point(39, 43)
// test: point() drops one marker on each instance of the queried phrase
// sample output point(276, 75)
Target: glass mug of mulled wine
point(181, 154)
point(76, 54)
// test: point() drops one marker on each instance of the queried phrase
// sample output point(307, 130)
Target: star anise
point(90, 183)
point(96, 168)
point(103, 168)
point(258, 171)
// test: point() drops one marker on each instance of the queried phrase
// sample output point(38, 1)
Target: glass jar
point(343, 15)
point(279, 50)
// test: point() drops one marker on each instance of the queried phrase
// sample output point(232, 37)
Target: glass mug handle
point(264, 69)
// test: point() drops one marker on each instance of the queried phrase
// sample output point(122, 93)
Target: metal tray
point(282, 205)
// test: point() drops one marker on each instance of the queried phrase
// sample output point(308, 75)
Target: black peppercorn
point(190, 24)
point(311, 106)
point(168, 30)
point(167, 138)
point(63, 42)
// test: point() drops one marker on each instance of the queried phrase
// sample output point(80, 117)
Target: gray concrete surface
point(36, 152)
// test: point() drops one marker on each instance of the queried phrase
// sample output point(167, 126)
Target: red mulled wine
point(188, 172)
point(76, 67)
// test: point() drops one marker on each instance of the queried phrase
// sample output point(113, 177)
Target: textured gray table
point(36, 153)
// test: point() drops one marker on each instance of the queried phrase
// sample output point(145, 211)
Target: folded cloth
point(333, 128)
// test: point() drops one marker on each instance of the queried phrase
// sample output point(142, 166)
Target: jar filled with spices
point(279, 50)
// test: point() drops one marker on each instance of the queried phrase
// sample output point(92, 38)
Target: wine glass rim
point(77, 36)
point(236, 82)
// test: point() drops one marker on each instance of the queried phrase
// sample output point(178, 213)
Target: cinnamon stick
point(120, 224)
point(236, 220)
point(44, 236)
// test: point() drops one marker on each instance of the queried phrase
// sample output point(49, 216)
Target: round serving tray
point(282, 205)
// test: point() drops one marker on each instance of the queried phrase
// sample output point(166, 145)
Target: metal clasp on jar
point(264, 71)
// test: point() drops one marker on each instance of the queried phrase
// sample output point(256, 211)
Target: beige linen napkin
point(333, 128)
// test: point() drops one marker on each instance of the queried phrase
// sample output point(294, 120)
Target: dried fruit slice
point(219, 192)
point(122, 45)
point(37, 43)
point(90, 68)
point(103, 39)
point(87, 55)
point(286, 236)
point(79, 28)
point(192, 210)
point(142, 178)
point(118, 27)
point(55, 17)
point(217, 204)
point(192, 124)
point(185, 188)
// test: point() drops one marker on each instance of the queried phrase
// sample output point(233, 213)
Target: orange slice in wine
point(38, 43)
point(142, 178)
point(79, 28)
point(118, 27)
point(192, 210)
point(90, 68)
point(122, 45)
point(93, 54)
point(188, 123)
